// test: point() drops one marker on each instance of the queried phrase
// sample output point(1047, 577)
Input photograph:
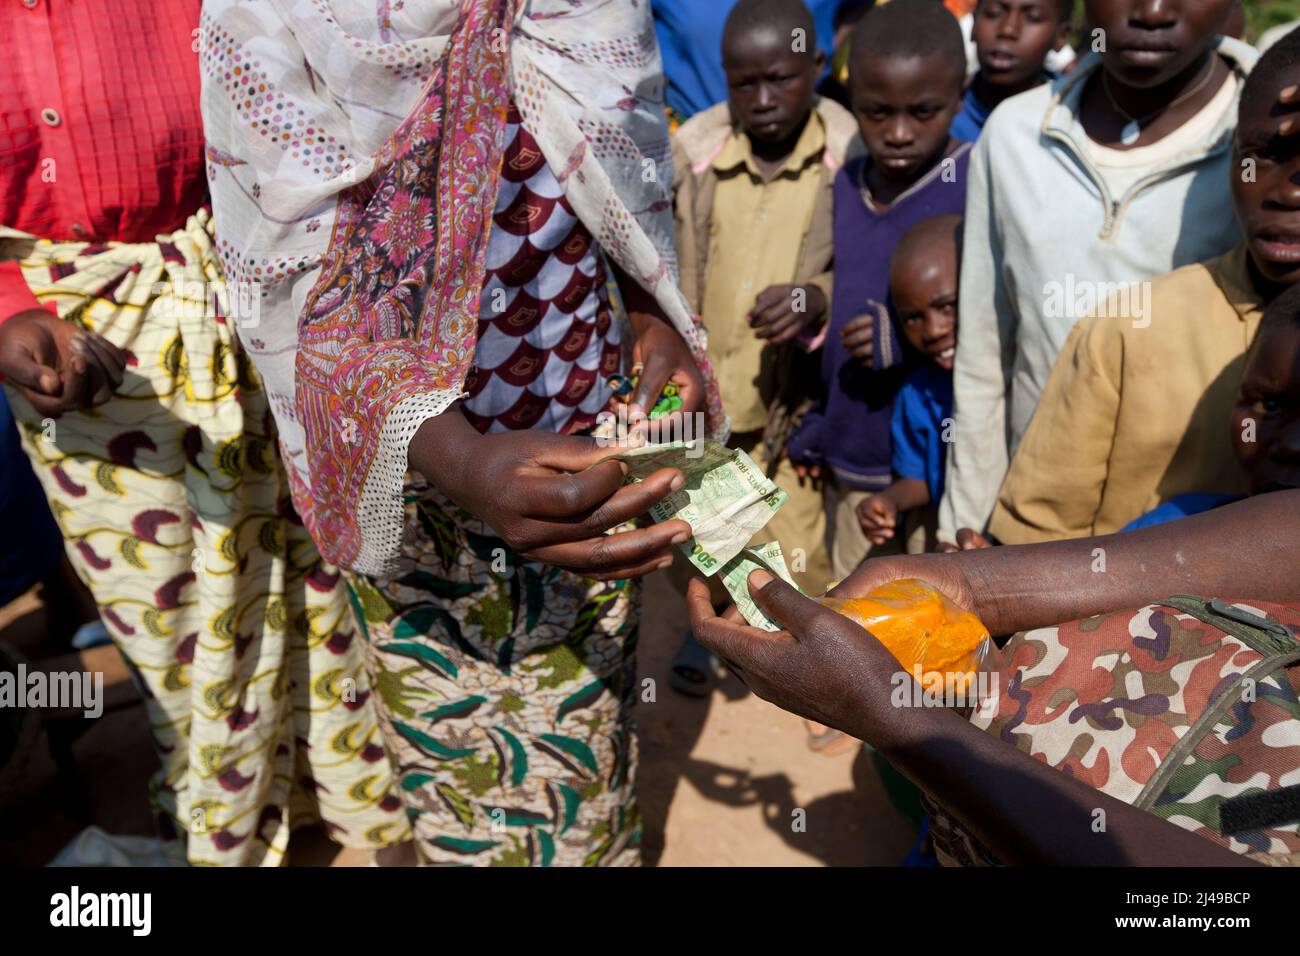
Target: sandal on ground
point(695, 671)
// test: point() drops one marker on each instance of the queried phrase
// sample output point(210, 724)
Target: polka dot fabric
point(101, 137)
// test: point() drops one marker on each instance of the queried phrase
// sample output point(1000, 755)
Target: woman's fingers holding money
point(613, 556)
point(633, 500)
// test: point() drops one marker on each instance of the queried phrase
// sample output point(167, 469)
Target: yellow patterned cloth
point(175, 511)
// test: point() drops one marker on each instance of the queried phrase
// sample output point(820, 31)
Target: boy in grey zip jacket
point(1048, 241)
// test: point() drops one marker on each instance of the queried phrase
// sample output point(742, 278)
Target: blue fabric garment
point(31, 544)
point(1180, 506)
point(922, 853)
point(690, 40)
point(848, 430)
point(923, 404)
point(969, 122)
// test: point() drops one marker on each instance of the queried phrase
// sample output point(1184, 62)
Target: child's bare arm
point(878, 515)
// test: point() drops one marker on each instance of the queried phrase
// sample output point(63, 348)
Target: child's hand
point(878, 516)
point(968, 539)
point(859, 336)
point(807, 472)
point(781, 311)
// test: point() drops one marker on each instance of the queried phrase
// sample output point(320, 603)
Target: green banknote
point(735, 578)
point(726, 498)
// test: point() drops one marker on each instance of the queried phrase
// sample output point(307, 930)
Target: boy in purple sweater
point(906, 82)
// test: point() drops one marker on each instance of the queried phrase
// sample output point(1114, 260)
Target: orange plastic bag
point(922, 628)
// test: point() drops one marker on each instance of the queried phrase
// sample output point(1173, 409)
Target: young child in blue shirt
point(923, 281)
point(1013, 39)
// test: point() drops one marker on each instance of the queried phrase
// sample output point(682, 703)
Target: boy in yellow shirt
point(1132, 414)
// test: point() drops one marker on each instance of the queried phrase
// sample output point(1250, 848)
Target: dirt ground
point(724, 781)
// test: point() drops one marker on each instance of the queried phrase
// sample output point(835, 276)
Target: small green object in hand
point(624, 387)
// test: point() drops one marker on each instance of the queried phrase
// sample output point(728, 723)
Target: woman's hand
point(664, 358)
point(56, 365)
point(550, 497)
point(661, 351)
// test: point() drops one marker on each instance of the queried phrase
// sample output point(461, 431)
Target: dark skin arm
point(552, 497)
point(827, 668)
point(1246, 549)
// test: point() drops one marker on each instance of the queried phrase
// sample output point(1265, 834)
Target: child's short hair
point(752, 15)
point(1282, 55)
point(923, 234)
point(1065, 9)
point(1282, 311)
point(905, 28)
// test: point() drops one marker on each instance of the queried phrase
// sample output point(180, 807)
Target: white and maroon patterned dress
point(546, 338)
point(513, 739)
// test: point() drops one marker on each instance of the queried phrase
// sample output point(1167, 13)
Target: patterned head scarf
point(354, 150)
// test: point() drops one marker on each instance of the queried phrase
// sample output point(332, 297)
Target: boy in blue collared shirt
point(923, 282)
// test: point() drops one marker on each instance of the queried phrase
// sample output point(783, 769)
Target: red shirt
point(101, 138)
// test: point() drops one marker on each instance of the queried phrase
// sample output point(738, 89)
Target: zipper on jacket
point(1115, 210)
